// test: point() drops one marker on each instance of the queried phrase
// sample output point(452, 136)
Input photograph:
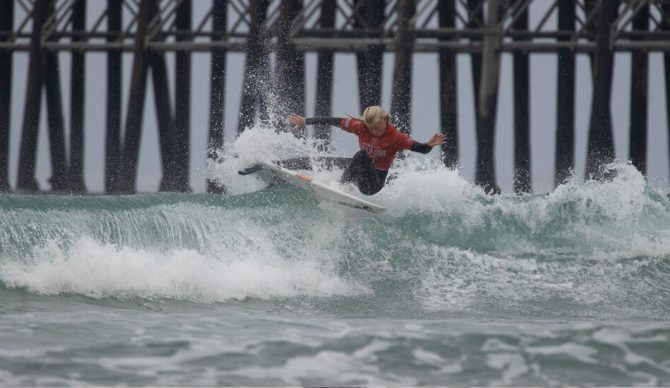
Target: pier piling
point(56, 130)
point(26, 181)
point(136, 97)
point(401, 95)
point(113, 155)
point(488, 101)
point(522, 179)
point(448, 86)
point(6, 61)
point(256, 68)
point(368, 18)
point(217, 91)
point(182, 106)
point(565, 97)
point(324, 76)
point(601, 142)
point(276, 36)
point(77, 100)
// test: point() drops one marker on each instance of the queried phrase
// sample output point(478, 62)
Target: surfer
point(379, 141)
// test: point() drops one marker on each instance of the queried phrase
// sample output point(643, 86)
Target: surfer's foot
point(251, 169)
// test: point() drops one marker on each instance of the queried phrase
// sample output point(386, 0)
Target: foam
point(426, 186)
point(99, 270)
point(259, 143)
point(462, 280)
point(434, 360)
point(327, 366)
point(583, 354)
point(512, 366)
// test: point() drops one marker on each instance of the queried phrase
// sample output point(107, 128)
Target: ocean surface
point(270, 286)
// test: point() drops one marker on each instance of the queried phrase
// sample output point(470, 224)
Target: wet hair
point(374, 114)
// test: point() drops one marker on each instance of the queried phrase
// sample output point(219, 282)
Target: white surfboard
point(323, 190)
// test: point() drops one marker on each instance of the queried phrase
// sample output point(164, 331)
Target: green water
point(274, 287)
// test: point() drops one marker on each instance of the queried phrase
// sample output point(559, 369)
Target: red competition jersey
point(382, 150)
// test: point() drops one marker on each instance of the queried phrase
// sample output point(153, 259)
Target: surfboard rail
point(323, 190)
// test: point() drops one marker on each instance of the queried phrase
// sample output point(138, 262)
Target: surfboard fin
point(251, 169)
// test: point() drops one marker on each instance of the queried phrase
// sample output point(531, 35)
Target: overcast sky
point(425, 113)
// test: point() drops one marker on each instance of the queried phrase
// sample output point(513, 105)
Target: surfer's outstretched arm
point(300, 121)
point(426, 147)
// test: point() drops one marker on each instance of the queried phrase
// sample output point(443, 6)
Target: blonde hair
point(374, 114)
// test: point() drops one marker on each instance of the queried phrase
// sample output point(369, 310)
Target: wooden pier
point(484, 30)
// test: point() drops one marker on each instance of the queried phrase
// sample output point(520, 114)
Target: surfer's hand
point(296, 120)
point(436, 139)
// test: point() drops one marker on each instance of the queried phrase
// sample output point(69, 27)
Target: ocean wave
point(597, 247)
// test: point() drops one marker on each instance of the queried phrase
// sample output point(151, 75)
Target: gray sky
point(425, 113)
